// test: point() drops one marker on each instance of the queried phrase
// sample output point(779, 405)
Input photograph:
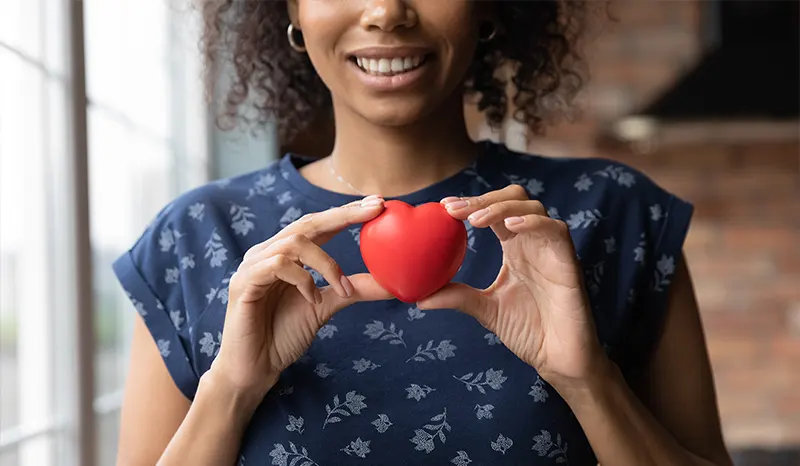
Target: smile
point(389, 66)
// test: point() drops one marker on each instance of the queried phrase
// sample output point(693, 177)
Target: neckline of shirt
point(484, 167)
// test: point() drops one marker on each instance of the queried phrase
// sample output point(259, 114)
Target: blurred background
point(102, 122)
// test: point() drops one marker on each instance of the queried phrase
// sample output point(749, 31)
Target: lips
point(391, 68)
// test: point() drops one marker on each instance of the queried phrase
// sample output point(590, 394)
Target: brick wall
point(744, 244)
point(743, 251)
point(638, 51)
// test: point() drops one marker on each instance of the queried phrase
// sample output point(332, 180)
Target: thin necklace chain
point(342, 180)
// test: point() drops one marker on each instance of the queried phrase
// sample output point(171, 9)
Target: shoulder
point(236, 211)
point(198, 238)
point(182, 260)
point(212, 204)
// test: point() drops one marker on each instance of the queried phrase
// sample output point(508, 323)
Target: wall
point(743, 250)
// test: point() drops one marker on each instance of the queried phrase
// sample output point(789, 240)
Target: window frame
point(71, 429)
point(61, 72)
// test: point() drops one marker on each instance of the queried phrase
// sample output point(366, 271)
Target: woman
point(577, 341)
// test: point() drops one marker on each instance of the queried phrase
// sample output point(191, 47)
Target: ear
point(294, 16)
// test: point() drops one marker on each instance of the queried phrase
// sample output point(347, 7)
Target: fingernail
point(317, 296)
point(511, 221)
point(347, 285)
point(448, 200)
point(455, 205)
point(475, 216)
point(371, 202)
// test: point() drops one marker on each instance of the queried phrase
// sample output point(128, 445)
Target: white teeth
point(397, 64)
point(388, 66)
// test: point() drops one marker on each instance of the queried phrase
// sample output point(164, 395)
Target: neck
point(392, 161)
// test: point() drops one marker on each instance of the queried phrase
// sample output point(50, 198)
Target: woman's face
point(390, 61)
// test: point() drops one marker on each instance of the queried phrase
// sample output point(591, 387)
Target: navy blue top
point(385, 383)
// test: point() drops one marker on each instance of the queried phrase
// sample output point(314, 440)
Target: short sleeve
point(151, 274)
point(656, 228)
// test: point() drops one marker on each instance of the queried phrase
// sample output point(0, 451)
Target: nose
point(387, 15)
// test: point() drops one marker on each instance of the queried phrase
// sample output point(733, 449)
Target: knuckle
point(331, 265)
point(310, 224)
point(517, 191)
point(561, 227)
point(280, 261)
point(257, 249)
point(537, 206)
point(480, 201)
point(296, 240)
point(236, 279)
point(251, 252)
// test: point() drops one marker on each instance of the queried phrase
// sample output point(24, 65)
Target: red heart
point(413, 252)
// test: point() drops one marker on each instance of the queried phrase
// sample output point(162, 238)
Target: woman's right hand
point(274, 308)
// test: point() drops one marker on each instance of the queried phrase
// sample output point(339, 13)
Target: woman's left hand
point(537, 305)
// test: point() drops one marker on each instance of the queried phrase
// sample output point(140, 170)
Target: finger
point(279, 267)
point(462, 207)
point(321, 226)
point(495, 215)
point(464, 298)
point(555, 231)
point(306, 252)
point(365, 288)
point(536, 222)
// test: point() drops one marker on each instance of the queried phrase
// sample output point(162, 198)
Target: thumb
point(365, 288)
point(463, 298)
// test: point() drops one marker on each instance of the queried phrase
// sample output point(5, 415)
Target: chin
point(397, 113)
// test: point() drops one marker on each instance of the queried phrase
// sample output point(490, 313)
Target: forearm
point(213, 428)
point(619, 427)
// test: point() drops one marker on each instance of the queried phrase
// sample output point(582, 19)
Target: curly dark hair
point(533, 59)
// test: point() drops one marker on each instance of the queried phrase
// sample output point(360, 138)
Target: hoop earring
point(291, 32)
point(483, 37)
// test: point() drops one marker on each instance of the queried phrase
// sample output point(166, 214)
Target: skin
point(392, 143)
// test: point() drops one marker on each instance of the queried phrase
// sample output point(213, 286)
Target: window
point(33, 147)
point(146, 145)
point(147, 142)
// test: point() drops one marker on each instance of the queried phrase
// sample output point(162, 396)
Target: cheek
point(324, 23)
point(330, 66)
point(464, 44)
point(320, 50)
point(459, 34)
